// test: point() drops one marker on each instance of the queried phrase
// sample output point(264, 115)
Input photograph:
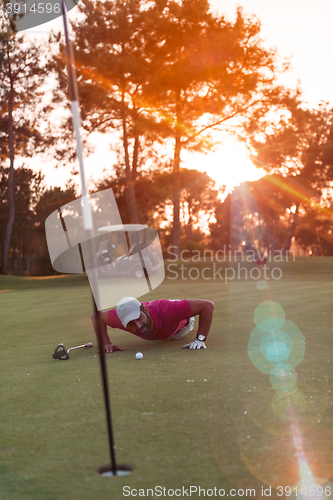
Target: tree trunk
point(259, 234)
point(28, 264)
point(20, 259)
point(176, 183)
point(11, 203)
point(130, 193)
point(190, 220)
point(135, 157)
point(23, 265)
point(176, 197)
point(275, 235)
point(291, 232)
point(13, 257)
point(136, 147)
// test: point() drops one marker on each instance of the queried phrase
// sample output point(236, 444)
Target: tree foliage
point(198, 199)
point(27, 188)
point(297, 150)
point(49, 201)
point(22, 72)
point(166, 70)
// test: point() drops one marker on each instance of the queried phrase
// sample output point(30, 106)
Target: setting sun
point(228, 165)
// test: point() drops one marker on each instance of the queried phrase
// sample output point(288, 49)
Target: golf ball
point(139, 355)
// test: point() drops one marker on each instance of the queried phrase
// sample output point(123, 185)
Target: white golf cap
point(128, 309)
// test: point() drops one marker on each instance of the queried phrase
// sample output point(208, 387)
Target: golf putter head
point(60, 352)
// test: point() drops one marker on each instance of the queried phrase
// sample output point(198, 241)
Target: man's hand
point(111, 348)
point(100, 322)
point(196, 344)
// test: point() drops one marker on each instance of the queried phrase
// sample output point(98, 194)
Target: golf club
point(62, 353)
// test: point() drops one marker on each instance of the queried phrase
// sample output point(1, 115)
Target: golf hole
point(121, 470)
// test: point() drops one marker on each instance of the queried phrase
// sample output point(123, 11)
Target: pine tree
point(22, 72)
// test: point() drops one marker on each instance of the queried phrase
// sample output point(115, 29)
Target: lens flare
point(283, 377)
point(277, 353)
point(269, 316)
point(273, 435)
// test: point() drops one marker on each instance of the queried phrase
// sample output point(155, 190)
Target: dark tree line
point(22, 72)
point(293, 202)
point(28, 253)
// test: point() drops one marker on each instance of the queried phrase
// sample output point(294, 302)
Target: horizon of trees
point(244, 215)
point(169, 72)
point(153, 71)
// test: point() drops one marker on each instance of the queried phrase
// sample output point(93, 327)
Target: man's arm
point(205, 310)
point(103, 324)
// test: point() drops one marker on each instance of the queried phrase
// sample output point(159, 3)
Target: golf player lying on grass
point(159, 319)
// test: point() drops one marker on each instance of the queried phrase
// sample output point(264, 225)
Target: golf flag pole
point(87, 217)
point(74, 98)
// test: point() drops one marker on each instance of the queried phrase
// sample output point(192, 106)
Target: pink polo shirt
point(169, 317)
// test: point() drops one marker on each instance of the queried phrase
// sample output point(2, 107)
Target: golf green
point(182, 419)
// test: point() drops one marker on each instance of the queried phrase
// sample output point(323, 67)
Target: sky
point(299, 29)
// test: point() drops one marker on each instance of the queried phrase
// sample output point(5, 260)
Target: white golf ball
point(139, 355)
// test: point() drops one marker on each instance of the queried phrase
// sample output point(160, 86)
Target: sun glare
point(228, 165)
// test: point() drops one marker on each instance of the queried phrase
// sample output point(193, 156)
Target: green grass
point(178, 415)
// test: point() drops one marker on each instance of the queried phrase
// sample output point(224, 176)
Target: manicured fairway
point(181, 418)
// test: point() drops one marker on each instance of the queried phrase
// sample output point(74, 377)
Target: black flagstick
point(87, 220)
